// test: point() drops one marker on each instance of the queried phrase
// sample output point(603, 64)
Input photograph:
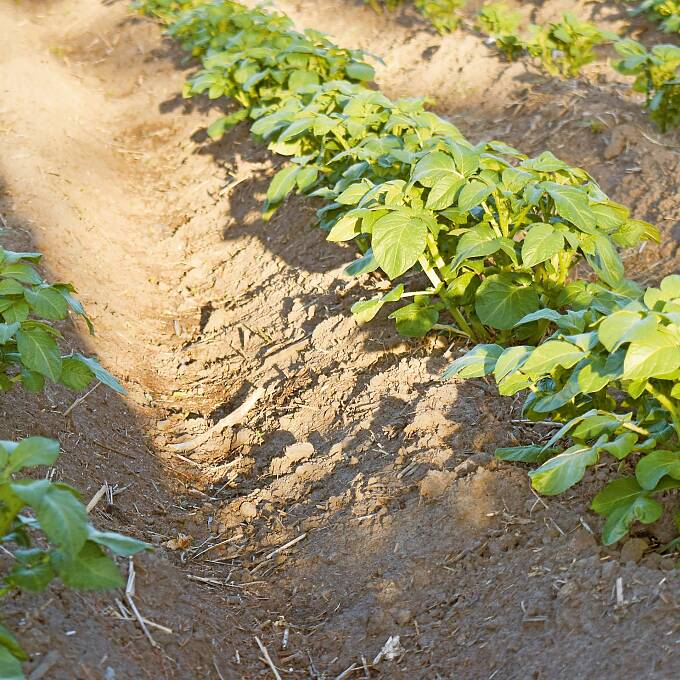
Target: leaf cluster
point(257, 59)
point(442, 14)
point(501, 24)
point(45, 527)
point(611, 373)
point(665, 12)
point(657, 75)
point(29, 341)
point(565, 47)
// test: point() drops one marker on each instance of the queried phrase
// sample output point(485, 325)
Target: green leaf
point(443, 193)
point(75, 374)
point(648, 360)
point(354, 193)
point(7, 331)
point(222, 125)
point(116, 543)
point(431, 168)
point(345, 229)
point(626, 326)
point(501, 301)
point(10, 643)
point(398, 241)
point(415, 320)
point(61, 515)
point(31, 380)
point(282, 184)
point(655, 465)
point(101, 374)
point(10, 505)
point(21, 271)
point(511, 360)
point(621, 446)
point(594, 426)
point(90, 569)
point(606, 261)
point(33, 451)
point(478, 362)
point(16, 312)
point(10, 287)
point(564, 470)
point(623, 501)
point(10, 667)
point(35, 577)
point(571, 203)
point(523, 454)
point(365, 310)
point(358, 70)
point(47, 303)
point(480, 241)
point(306, 177)
point(473, 193)
point(364, 265)
point(540, 244)
point(546, 357)
point(39, 352)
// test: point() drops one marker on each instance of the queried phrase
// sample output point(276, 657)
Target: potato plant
point(29, 342)
point(46, 530)
point(657, 75)
point(665, 12)
point(495, 232)
point(611, 373)
point(442, 14)
point(339, 133)
point(501, 24)
point(256, 58)
point(564, 48)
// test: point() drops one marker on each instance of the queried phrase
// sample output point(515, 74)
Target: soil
point(382, 477)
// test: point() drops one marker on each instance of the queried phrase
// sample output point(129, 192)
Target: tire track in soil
point(409, 526)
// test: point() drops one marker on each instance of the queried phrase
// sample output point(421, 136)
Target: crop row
point(44, 525)
point(564, 47)
point(479, 240)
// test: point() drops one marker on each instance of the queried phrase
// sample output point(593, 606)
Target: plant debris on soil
point(321, 505)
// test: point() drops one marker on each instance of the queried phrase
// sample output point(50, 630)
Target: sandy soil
point(405, 524)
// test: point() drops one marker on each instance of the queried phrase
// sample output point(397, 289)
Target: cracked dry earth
point(260, 415)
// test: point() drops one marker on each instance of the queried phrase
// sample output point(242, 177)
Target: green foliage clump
point(29, 348)
point(258, 60)
point(610, 373)
point(564, 48)
point(46, 530)
point(443, 14)
point(500, 23)
point(665, 12)
point(657, 75)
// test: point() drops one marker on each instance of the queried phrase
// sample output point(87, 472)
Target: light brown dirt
point(410, 528)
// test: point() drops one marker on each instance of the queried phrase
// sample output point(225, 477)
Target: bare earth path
point(403, 524)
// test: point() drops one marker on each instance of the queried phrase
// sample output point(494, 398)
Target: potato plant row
point(564, 47)
point(44, 526)
point(478, 239)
